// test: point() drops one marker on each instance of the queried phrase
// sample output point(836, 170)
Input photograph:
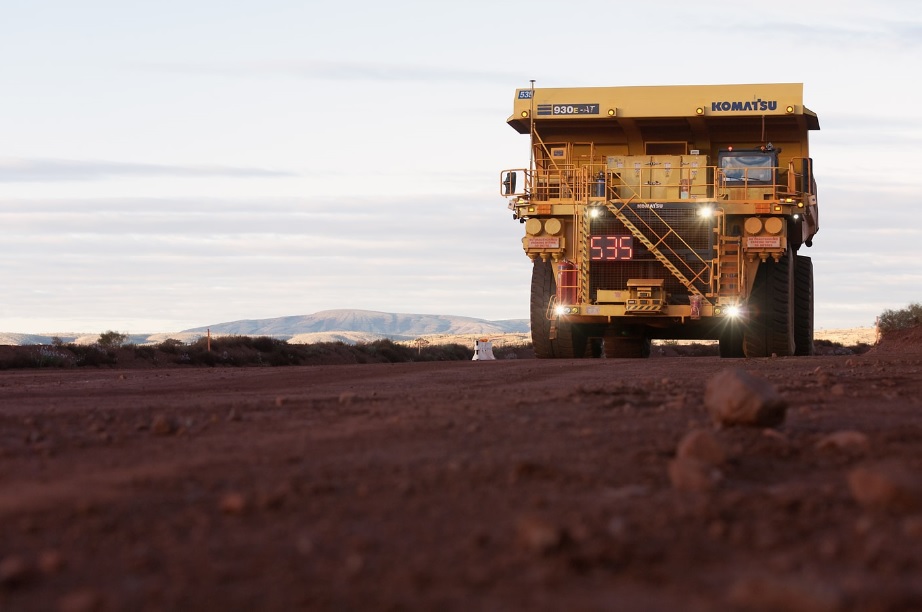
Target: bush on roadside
point(170, 346)
point(92, 355)
point(145, 352)
point(829, 347)
point(446, 352)
point(386, 351)
point(233, 351)
point(111, 339)
point(906, 318)
point(51, 357)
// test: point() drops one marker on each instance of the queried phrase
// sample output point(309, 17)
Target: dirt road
point(513, 485)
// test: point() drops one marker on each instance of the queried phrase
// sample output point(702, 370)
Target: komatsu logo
point(755, 105)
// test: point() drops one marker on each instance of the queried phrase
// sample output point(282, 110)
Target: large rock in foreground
point(735, 397)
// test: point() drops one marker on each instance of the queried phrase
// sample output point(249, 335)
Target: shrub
point(386, 351)
point(92, 355)
point(892, 320)
point(17, 361)
point(515, 351)
point(238, 351)
point(146, 352)
point(266, 344)
point(111, 339)
point(50, 357)
point(170, 346)
point(445, 352)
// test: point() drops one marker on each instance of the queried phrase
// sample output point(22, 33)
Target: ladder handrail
point(663, 259)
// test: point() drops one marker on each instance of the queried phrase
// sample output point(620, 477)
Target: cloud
point(14, 170)
point(424, 218)
point(876, 133)
point(328, 70)
point(218, 264)
point(871, 33)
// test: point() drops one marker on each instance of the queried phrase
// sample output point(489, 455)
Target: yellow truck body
point(667, 212)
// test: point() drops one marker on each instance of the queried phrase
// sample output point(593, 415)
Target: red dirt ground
point(507, 485)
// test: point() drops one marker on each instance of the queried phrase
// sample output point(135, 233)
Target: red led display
point(611, 248)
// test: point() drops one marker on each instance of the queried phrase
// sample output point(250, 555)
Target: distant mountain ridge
point(349, 326)
point(345, 325)
point(396, 326)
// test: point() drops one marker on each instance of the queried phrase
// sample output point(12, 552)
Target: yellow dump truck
point(672, 212)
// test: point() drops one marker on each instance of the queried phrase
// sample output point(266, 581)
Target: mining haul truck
point(667, 213)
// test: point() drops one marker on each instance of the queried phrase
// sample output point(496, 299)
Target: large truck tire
point(543, 286)
point(619, 345)
point(803, 305)
point(570, 341)
point(769, 327)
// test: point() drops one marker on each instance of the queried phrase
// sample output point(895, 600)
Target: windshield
point(751, 167)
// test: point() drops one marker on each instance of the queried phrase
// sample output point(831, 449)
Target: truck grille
point(691, 237)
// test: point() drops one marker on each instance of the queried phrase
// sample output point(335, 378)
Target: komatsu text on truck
point(667, 212)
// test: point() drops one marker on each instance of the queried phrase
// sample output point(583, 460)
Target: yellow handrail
point(578, 183)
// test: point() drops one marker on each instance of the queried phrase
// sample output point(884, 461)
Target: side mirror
point(509, 184)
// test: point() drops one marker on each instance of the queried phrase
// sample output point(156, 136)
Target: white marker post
point(483, 350)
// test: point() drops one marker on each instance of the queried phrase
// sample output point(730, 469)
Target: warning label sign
point(544, 242)
point(763, 242)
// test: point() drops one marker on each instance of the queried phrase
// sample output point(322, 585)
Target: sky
point(173, 164)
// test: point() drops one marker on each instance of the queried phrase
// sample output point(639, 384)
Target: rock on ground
point(701, 445)
point(735, 397)
point(846, 441)
point(886, 486)
point(692, 475)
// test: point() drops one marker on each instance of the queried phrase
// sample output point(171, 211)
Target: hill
point(396, 326)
